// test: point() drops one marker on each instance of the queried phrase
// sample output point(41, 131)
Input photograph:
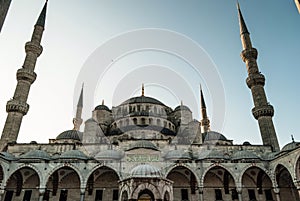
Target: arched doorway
point(167, 196)
point(23, 184)
point(124, 196)
point(219, 185)
point(257, 185)
point(63, 185)
point(103, 185)
point(184, 183)
point(285, 184)
point(146, 195)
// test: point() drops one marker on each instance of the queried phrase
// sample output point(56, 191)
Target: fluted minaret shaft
point(77, 121)
point(262, 110)
point(17, 107)
point(205, 123)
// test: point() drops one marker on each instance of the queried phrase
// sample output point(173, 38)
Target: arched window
point(134, 121)
point(143, 121)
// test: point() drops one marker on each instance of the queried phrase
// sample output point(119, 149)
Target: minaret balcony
point(34, 48)
point(255, 79)
point(17, 106)
point(26, 75)
point(248, 54)
point(263, 111)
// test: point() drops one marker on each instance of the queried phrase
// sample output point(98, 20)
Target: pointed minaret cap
point(143, 90)
point(80, 100)
point(203, 105)
point(243, 27)
point(42, 17)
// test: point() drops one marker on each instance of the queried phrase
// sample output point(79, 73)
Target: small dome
point(142, 99)
point(178, 154)
point(145, 170)
point(244, 154)
point(270, 155)
point(212, 135)
point(73, 154)
point(102, 107)
point(143, 144)
point(290, 146)
point(69, 135)
point(7, 156)
point(36, 154)
point(182, 107)
point(212, 154)
point(91, 120)
point(109, 155)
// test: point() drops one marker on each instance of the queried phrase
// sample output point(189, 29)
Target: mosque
point(144, 150)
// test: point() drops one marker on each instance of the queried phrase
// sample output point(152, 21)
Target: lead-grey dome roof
point(145, 170)
point(290, 146)
point(73, 154)
point(211, 154)
point(70, 135)
point(213, 135)
point(142, 144)
point(7, 156)
point(109, 155)
point(102, 107)
point(182, 107)
point(142, 99)
point(36, 154)
point(178, 154)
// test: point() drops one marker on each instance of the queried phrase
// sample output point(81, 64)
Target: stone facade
point(144, 150)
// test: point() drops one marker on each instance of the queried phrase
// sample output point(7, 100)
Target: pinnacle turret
point(77, 121)
point(243, 27)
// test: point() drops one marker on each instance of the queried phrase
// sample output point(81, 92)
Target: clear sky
point(79, 31)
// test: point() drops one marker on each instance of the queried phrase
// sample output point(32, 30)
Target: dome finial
point(102, 101)
point(293, 140)
point(143, 90)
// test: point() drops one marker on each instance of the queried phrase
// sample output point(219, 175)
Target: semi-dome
point(73, 154)
point(109, 155)
point(36, 154)
point(178, 154)
point(213, 135)
point(243, 154)
point(145, 170)
point(102, 107)
point(69, 135)
point(143, 144)
point(142, 99)
point(291, 146)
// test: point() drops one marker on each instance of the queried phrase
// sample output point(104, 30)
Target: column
point(277, 195)
point(200, 193)
point(41, 193)
point(82, 194)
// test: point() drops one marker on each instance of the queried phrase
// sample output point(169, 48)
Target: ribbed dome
point(73, 154)
point(109, 155)
point(243, 154)
point(143, 144)
point(36, 154)
point(102, 107)
point(145, 170)
point(212, 135)
point(177, 154)
point(182, 107)
point(142, 99)
point(69, 135)
point(290, 146)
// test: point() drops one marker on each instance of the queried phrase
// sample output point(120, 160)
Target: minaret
point(4, 6)
point(17, 106)
point(262, 110)
point(77, 121)
point(205, 123)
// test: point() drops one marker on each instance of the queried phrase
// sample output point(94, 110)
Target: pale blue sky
point(75, 29)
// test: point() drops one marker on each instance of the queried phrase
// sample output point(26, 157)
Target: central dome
point(142, 99)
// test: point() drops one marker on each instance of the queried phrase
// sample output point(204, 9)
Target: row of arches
point(103, 184)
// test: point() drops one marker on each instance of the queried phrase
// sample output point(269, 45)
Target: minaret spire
point(17, 107)
point(77, 121)
point(205, 123)
point(262, 110)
